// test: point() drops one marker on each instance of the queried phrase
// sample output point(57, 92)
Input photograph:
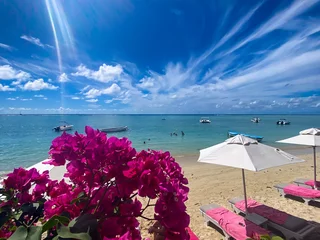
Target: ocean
point(25, 139)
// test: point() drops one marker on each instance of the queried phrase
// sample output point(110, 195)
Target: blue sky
point(168, 56)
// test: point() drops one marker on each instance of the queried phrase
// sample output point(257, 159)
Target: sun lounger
point(230, 224)
point(304, 193)
point(306, 182)
point(289, 226)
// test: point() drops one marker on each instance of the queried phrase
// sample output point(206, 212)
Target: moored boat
point(283, 122)
point(115, 129)
point(62, 128)
point(204, 120)
point(258, 138)
point(255, 120)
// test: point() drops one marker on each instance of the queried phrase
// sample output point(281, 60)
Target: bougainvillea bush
point(101, 198)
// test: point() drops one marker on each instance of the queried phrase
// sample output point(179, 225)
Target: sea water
point(25, 139)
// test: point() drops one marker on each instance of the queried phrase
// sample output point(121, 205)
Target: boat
point(204, 120)
point(283, 122)
point(258, 138)
point(255, 120)
point(62, 128)
point(115, 129)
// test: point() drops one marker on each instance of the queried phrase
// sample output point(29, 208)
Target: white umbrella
point(246, 153)
point(308, 137)
point(55, 172)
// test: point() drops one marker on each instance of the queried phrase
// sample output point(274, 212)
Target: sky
point(160, 56)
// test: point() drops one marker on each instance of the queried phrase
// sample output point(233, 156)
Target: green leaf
point(17, 215)
point(53, 221)
point(65, 232)
point(4, 217)
point(80, 195)
point(277, 238)
point(34, 233)
point(20, 234)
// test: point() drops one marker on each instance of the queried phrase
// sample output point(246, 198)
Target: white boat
point(255, 120)
point(115, 129)
point(204, 120)
point(61, 128)
point(283, 122)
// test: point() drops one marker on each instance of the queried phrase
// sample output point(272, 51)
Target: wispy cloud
point(7, 47)
point(92, 100)
point(35, 41)
point(278, 21)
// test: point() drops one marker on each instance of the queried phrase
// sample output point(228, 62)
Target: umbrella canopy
point(55, 172)
point(246, 153)
point(308, 137)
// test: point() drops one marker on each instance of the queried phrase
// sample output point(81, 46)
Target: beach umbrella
point(55, 172)
point(308, 137)
point(246, 153)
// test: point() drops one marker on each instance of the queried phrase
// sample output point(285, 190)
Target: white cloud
point(84, 89)
point(26, 99)
point(75, 98)
point(11, 99)
point(39, 96)
point(106, 73)
point(35, 41)
point(9, 73)
point(4, 88)
point(21, 108)
point(63, 78)
point(93, 92)
point(108, 101)
point(7, 47)
point(92, 100)
point(276, 22)
point(38, 85)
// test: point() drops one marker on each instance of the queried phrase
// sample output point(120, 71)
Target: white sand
point(216, 184)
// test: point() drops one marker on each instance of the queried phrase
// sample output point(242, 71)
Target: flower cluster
point(109, 175)
point(21, 187)
point(20, 183)
point(105, 179)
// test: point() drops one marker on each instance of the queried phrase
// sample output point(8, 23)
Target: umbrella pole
point(315, 167)
point(244, 190)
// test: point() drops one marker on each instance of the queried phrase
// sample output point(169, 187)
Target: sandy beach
point(216, 184)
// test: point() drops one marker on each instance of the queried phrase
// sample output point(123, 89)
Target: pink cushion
point(311, 183)
point(235, 225)
point(301, 191)
point(267, 212)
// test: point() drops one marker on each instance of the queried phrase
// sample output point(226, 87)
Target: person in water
point(182, 133)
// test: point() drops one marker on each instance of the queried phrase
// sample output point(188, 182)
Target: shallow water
point(25, 140)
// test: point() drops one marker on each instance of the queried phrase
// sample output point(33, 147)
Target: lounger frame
point(287, 233)
point(209, 220)
point(280, 188)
